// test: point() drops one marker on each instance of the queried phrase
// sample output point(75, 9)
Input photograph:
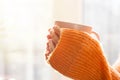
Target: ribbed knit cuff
point(79, 56)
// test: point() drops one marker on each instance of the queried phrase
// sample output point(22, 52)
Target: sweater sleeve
point(80, 57)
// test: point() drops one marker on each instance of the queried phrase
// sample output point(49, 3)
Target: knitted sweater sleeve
point(80, 57)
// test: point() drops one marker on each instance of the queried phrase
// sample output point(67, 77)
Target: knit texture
point(80, 57)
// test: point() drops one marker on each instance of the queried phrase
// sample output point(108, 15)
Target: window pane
point(104, 16)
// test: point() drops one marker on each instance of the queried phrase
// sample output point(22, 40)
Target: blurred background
point(24, 25)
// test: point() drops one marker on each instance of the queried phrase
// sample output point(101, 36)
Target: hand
point(53, 37)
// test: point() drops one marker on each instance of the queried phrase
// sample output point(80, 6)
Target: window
point(104, 16)
point(23, 30)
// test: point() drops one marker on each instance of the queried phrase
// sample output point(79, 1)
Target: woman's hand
point(53, 37)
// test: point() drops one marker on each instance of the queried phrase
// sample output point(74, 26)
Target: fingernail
point(48, 36)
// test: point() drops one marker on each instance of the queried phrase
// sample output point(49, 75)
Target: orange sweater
point(80, 57)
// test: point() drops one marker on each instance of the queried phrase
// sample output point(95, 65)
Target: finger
point(53, 36)
point(47, 54)
point(55, 39)
point(49, 36)
point(51, 45)
point(50, 31)
point(57, 30)
point(47, 50)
